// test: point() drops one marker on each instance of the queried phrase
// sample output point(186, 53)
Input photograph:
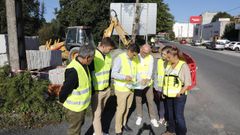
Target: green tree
point(222, 15)
point(42, 12)
point(49, 31)
point(3, 21)
point(95, 13)
point(31, 16)
point(230, 32)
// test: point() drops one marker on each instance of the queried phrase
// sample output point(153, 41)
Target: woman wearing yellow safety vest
point(177, 79)
point(158, 85)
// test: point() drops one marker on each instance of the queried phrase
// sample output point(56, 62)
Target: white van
point(224, 41)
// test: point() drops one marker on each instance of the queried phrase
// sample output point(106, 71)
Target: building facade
point(207, 32)
point(207, 17)
point(183, 30)
point(208, 29)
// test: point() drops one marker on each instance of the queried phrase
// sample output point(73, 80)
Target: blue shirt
point(117, 65)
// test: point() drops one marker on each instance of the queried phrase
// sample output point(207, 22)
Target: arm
point(155, 77)
point(70, 83)
point(185, 75)
point(115, 74)
point(150, 72)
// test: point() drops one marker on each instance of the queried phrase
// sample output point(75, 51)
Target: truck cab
point(77, 36)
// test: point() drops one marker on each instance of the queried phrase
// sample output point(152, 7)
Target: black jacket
point(70, 83)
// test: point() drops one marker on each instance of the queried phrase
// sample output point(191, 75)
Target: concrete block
point(43, 59)
point(3, 43)
point(56, 76)
point(3, 60)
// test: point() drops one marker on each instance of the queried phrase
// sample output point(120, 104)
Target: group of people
point(93, 74)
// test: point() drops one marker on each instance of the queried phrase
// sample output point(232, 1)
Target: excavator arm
point(114, 24)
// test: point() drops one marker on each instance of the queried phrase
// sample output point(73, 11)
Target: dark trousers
point(161, 104)
point(176, 120)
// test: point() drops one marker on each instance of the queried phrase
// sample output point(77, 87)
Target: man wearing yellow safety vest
point(75, 93)
point(144, 76)
point(124, 75)
point(100, 71)
point(176, 82)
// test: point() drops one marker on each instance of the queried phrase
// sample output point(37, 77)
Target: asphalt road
point(212, 107)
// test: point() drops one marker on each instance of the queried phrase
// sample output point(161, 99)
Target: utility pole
point(16, 46)
point(136, 21)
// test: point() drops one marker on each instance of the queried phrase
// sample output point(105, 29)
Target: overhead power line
point(233, 9)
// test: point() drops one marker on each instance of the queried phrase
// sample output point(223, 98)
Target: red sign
point(196, 19)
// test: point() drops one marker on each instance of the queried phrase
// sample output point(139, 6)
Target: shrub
point(22, 101)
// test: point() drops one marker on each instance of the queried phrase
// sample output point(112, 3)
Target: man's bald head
point(145, 50)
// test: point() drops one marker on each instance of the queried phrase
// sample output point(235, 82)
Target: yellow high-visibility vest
point(102, 69)
point(160, 73)
point(143, 68)
point(80, 98)
point(172, 83)
point(126, 69)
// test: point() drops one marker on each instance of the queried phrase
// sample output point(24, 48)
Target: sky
point(181, 9)
point(50, 5)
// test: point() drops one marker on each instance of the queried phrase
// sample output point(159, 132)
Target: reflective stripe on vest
point(143, 68)
point(78, 102)
point(126, 69)
point(80, 97)
point(172, 83)
point(81, 92)
point(102, 68)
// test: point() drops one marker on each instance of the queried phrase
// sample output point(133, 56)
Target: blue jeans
point(176, 120)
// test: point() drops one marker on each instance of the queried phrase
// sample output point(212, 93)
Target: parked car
point(225, 41)
point(156, 47)
point(215, 45)
point(183, 41)
point(235, 46)
point(208, 43)
point(198, 43)
point(227, 45)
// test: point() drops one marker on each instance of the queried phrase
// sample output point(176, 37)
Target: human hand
point(128, 78)
point(179, 94)
point(145, 81)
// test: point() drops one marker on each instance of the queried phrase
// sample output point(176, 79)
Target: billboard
point(196, 19)
point(148, 17)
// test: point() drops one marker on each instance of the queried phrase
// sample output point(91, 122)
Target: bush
point(23, 102)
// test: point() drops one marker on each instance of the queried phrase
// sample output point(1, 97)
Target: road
point(212, 107)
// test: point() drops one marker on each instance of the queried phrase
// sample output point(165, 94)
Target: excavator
point(77, 35)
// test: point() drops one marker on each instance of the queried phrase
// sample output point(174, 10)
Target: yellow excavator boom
point(118, 28)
